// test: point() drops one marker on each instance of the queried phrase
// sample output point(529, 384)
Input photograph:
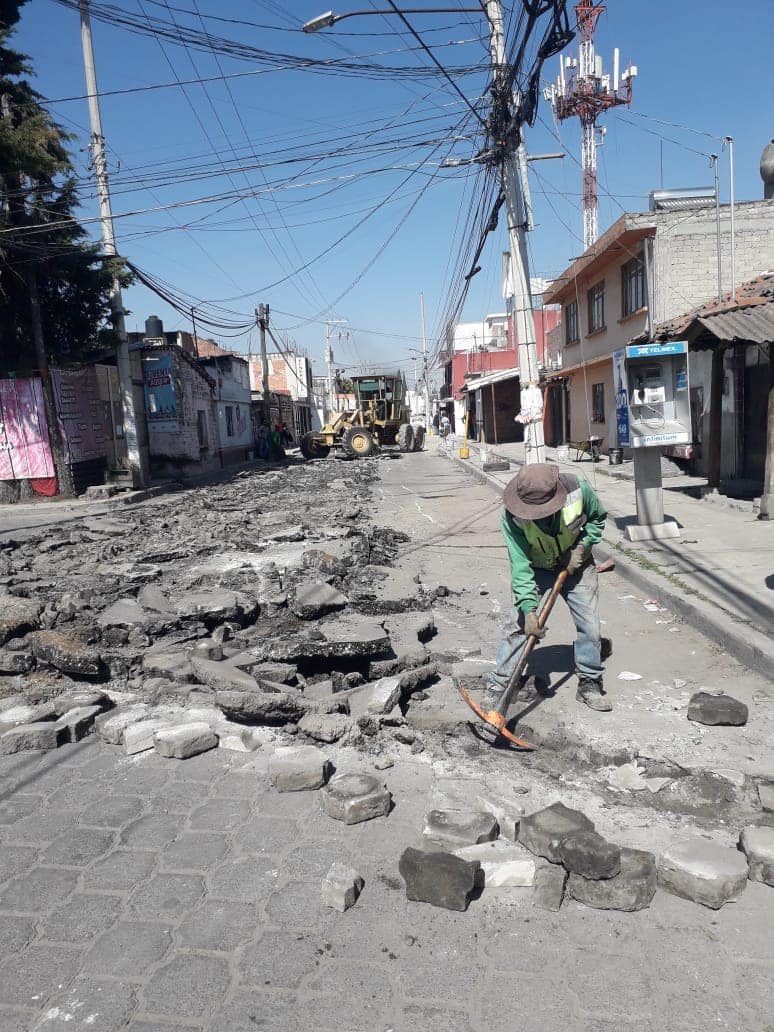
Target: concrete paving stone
point(244, 879)
point(101, 1006)
point(139, 737)
point(550, 882)
point(446, 830)
point(757, 843)
point(541, 832)
point(266, 835)
point(17, 1020)
point(426, 1016)
point(507, 811)
point(151, 832)
point(185, 740)
point(15, 859)
point(187, 985)
point(76, 794)
point(273, 708)
point(220, 814)
point(631, 889)
point(77, 847)
point(82, 918)
point(341, 887)
point(703, 871)
point(120, 870)
point(289, 906)
point(706, 708)
point(128, 949)
point(256, 1011)
point(19, 805)
point(440, 879)
point(141, 1024)
point(176, 796)
point(315, 598)
point(113, 811)
point(279, 960)
point(37, 890)
point(505, 865)
point(194, 851)
point(112, 724)
point(367, 988)
point(298, 768)
point(325, 727)
point(28, 978)
point(216, 924)
point(15, 933)
point(165, 896)
point(588, 854)
point(42, 736)
point(766, 796)
point(205, 768)
point(355, 797)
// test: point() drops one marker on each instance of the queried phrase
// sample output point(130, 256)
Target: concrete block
point(543, 831)
point(652, 531)
point(440, 879)
point(42, 736)
point(451, 829)
point(505, 866)
point(354, 798)
point(138, 737)
point(550, 881)
point(588, 854)
point(79, 722)
point(631, 889)
point(298, 768)
point(758, 846)
point(341, 887)
point(703, 871)
point(706, 708)
point(184, 740)
point(507, 812)
point(325, 727)
point(766, 796)
point(111, 725)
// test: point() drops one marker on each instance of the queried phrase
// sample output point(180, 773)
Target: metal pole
point(263, 322)
point(730, 142)
point(329, 364)
point(425, 371)
point(517, 242)
point(714, 160)
point(137, 467)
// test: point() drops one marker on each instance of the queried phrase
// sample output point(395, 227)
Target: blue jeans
point(581, 592)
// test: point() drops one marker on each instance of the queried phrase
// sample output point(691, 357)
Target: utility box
point(652, 399)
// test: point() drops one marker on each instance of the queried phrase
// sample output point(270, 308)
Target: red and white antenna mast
point(583, 91)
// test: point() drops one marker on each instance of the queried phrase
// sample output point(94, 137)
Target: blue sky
point(698, 68)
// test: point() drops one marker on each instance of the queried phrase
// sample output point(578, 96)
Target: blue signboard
point(621, 399)
point(160, 399)
point(678, 347)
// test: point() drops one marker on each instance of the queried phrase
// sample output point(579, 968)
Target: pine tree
point(42, 245)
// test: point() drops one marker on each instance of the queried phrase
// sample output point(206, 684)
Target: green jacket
point(525, 592)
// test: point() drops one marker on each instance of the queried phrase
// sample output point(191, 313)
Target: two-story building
point(231, 375)
point(647, 269)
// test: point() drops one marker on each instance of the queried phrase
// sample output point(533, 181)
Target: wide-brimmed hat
point(536, 491)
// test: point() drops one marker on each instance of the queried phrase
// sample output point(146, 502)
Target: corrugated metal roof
point(753, 325)
point(490, 378)
point(747, 316)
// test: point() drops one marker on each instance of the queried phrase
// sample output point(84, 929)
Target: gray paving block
point(440, 879)
point(217, 924)
point(194, 851)
point(269, 963)
point(631, 889)
point(15, 933)
point(185, 740)
point(112, 812)
point(298, 768)
point(588, 854)
point(341, 887)
point(120, 870)
point(38, 890)
point(42, 736)
point(548, 891)
point(220, 814)
point(151, 832)
point(165, 896)
point(102, 1006)
point(543, 831)
point(82, 918)
point(244, 879)
point(250, 1010)
point(15, 859)
point(78, 722)
point(452, 829)
point(128, 949)
point(757, 843)
point(78, 847)
point(28, 978)
point(187, 986)
point(703, 871)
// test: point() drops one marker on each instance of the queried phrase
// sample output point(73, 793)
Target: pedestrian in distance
point(550, 522)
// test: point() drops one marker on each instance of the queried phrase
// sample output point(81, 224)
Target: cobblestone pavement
point(149, 894)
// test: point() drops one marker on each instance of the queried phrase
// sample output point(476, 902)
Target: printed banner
point(621, 399)
point(25, 451)
point(81, 413)
point(160, 398)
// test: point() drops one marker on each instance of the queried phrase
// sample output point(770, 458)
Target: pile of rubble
point(221, 617)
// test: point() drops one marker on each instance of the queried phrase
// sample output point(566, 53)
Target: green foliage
point(39, 234)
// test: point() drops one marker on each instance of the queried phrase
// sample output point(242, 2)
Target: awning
point(499, 376)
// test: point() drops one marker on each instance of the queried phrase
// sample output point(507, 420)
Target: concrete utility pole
point(425, 370)
point(137, 465)
point(514, 180)
point(262, 318)
point(329, 366)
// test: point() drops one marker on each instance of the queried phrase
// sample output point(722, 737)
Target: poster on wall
point(160, 397)
point(621, 399)
point(25, 451)
point(81, 413)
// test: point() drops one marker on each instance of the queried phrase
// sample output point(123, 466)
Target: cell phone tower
point(583, 91)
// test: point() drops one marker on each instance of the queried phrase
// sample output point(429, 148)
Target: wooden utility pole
point(138, 466)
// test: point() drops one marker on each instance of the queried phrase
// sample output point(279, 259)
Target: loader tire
point(419, 438)
point(358, 442)
point(312, 448)
point(406, 437)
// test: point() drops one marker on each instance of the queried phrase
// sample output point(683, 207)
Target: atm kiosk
point(653, 410)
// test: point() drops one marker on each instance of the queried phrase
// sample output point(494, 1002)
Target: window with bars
point(596, 298)
point(597, 403)
point(633, 287)
point(571, 323)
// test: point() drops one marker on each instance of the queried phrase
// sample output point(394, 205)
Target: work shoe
point(490, 698)
point(592, 694)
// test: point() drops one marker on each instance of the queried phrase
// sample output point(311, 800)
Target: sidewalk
point(718, 575)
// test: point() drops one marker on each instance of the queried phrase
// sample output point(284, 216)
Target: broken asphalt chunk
point(631, 889)
point(543, 831)
point(723, 710)
point(703, 872)
point(316, 598)
point(18, 616)
point(257, 707)
point(67, 654)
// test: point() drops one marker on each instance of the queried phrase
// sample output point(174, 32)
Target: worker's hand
point(531, 628)
point(578, 558)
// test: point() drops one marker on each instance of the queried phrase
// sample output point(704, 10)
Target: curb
point(746, 644)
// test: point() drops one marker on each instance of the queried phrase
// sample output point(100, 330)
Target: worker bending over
point(550, 522)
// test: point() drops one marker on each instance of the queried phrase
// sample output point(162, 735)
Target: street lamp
point(324, 21)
